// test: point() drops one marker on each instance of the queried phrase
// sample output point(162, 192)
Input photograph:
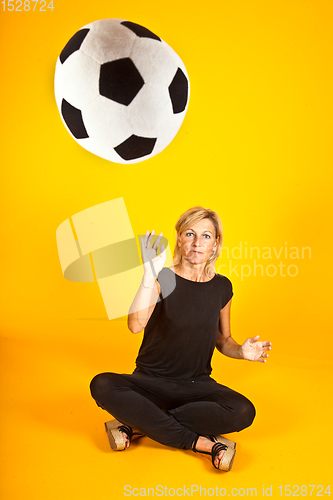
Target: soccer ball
point(121, 91)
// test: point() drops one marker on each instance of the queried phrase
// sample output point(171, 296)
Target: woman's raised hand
point(253, 350)
point(152, 262)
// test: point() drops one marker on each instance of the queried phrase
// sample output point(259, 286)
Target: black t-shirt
point(181, 334)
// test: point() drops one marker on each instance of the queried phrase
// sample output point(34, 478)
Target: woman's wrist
point(148, 281)
point(146, 286)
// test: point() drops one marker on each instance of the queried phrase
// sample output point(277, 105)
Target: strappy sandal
point(222, 439)
point(227, 459)
point(115, 429)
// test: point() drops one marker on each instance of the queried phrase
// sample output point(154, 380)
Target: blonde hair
point(191, 217)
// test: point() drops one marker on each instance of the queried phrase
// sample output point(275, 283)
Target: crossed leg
point(172, 412)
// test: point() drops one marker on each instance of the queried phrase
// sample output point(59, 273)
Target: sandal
point(221, 444)
point(222, 439)
point(114, 430)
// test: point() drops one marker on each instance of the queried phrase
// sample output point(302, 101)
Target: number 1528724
point(27, 5)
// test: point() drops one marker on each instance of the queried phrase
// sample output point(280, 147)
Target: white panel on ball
point(81, 69)
point(109, 40)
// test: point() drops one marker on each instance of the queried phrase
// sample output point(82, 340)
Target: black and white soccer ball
point(122, 92)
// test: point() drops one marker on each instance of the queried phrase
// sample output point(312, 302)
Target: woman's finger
point(157, 242)
point(253, 340)
point(145, 238)
point(150, 237)
point(266, 348)
point(143, 251)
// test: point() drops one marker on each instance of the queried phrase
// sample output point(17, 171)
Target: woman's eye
point(208, 236)
point(189, 234)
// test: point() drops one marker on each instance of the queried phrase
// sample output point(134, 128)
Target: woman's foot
point(120, 435)
point(127, 439)
point(205, 444)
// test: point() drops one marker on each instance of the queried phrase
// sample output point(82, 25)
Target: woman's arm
point(146, 297)
point(143, 304)
point(225, 343)
point(252, 349)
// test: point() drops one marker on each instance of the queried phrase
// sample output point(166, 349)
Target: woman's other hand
point(253, 350)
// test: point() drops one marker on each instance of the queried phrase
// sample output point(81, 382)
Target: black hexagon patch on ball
point(135, 147)
point(73, 119)
point(120, 81)
point(178, 90)
point(73, 44)
point(140, 30)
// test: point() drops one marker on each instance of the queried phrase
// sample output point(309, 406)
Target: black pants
point(172, 412)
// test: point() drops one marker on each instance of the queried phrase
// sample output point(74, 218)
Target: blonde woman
point(184, 311)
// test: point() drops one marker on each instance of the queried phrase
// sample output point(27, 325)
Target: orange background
point(256, 146)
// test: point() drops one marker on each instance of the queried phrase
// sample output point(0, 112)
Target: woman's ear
point(178, 240)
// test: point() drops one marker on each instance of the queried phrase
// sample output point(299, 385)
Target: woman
point(185, 311)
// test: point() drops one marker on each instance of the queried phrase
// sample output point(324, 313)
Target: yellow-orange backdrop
point(255, 145)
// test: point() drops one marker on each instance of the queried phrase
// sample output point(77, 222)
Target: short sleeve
point(227, 291)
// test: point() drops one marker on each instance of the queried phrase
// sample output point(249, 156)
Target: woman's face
point(198, 242)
